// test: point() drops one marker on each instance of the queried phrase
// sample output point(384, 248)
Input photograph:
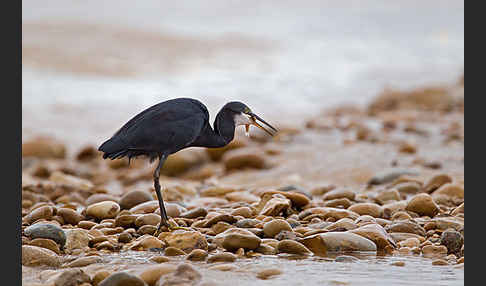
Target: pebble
point(275, 205)
point(152, 274)
point(440, 262)
point(343, 202)
point(147, 219)
point(194, 213)
point(159, 259)
point(244, 158)
point(398, 263)
point(38, 256)
point(187, 241)
point(70, 216)
point(377, 234)
point(122, 279)
point(389, 175)
point(48, 231)
point(268, 273)
point(436, 182)
point(434, 250)
point(70, 277)
point(453, 240)
point(145, 242)
point(44, 212)
point(274, 227)
point(247, 223)
point(245, 212)
point(342, 224)
point(423, 205)
point(84, 261)
point(133, 198)
point(371, 209)
point(232, 240)
point(292, 247)
point(99, 276)
point(69, 180)
point(222, 217)
point(173, 251)
point(223, 267)
point(43, 147)
point(184, 274)
point(97, 198)
point(406, 226)
point(197, 255)
point(146, 207)
point(222, 257)
point(320, 244)
point(76, 238)
point(103, 210)
point(46, 243)
point(339, 194)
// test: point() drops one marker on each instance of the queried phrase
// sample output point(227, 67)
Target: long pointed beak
point(255, 117)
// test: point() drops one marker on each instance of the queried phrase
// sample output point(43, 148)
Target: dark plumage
point(173, 125)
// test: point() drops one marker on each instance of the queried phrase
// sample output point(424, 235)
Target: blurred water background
point(89, 66)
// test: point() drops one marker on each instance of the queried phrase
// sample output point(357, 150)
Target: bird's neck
point(224, 127)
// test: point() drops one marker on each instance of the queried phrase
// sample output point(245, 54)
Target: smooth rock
point(346, 258)
point(145, 242)
point(268, 273)
point(103, 210)
point(43, 147)
point(322, 243)
point(197, 255)
point(339, 194)
point(134, 198)
point(453, 240)
point(389, 175)
point(122, 279)
point(222, 217)
point(44, 212)
point(292, 247)
point(147, 219)
point(153, 273)
point(274, 227)
point(235, 241)
point(187, 241)
point(173, 251)
point(71, 277)
point(243, 158)
point(48, 231)
point(46, 243)
point(222, 257)
point(84, 261)
point(65, 179)
point(436, 182)
point(38, 256)
point(371, 209)
point(434, 251)
point(76, 238)
point(97, 198)
point(194, 213)
point(184, 274)
point(423, 205)
point(406, 226)
point(377, 234)
point(70, 216)
point(245, 212)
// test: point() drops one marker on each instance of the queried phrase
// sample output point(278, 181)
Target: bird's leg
point(164, 220)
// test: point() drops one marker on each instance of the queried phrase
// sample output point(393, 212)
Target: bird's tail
point(112, 149)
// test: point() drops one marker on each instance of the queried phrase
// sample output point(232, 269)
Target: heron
point(173, 125)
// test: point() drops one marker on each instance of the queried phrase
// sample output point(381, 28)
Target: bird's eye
point(247, 110)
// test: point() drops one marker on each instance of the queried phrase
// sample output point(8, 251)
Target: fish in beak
point(254, 121)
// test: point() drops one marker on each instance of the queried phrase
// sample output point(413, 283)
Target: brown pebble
point(268, 273)
point(222, 257)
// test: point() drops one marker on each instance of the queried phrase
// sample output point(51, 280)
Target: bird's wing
point(163, 128)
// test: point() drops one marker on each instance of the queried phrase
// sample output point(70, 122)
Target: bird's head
point(244, 116)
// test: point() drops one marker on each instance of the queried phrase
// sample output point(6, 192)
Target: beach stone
point(339, 194)
point(69, 180)
point(221, 217)
point(436, 182)
point(449, 192)
point(410, 242)
point(122, 279)
point(346, 258)
point(423, 205)
point(377, 234)
point(242, 197)
point(371, 209)
point(222, 257)
point(292, 247)
point(401, 236)
point(48, 231)
point(70, 216)
point(388, 195)
point(390, 208)
point(70, 277)
point(401, 215)
point(328, 212)
point(233, 241)
point(153, 273)
point(222, 267)
point(38, 256)
point(344, 223)
point(96, 198)
point(46, 243)
point(216, 154)
point(266, 250)
point(430, 251)
point(453, 240)
point(187, 241)
point(159, 259)
point(146, 207)
point(268, 273)
point(322, 243)
point(298, 200)
point(343, 202)
point(216, 191)
point(133, 198)
point(84, 261)
point(440, 262)
point(145, 242)
point(197, 255)
point(184, 274)
point(44, 147)
point(247, 223)
point(76, 238)
point(194, 213)
point(243, 158)
point(406, 226)
point(147, 219)
point(173, 251)
point(103, 210)
point(444, 223)
point(274, 227)
point(99, 276)
point(44, 212)
point(126, 220)
point(275, 205)
point(408, 188)
point(389, 175)
point(398, 263)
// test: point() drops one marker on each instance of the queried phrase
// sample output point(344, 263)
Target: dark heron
point(173, 125)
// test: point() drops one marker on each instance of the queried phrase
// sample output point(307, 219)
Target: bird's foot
point(168, 226)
